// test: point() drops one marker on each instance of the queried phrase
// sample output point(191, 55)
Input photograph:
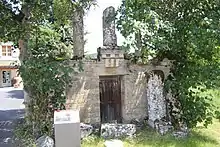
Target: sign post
point(67, 128)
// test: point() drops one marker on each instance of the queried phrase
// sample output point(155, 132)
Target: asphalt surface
point(11, 109)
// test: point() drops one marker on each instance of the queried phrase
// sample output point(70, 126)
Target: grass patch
point(199, 137)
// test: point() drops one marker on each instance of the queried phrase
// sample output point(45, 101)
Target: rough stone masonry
point(109, 35)
point(85, 91)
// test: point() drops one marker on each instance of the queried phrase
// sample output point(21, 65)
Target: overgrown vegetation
point(44, 29)
point(200, 136)
point(187, 32)
point(46, 74)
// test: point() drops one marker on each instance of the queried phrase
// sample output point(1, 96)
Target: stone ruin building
point(112, 89)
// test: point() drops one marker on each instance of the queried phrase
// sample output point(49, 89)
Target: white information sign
point(66, 116)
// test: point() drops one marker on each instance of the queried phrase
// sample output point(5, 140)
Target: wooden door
point(110, 99)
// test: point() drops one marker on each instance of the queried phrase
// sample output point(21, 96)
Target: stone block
point(161, 126)
point(117, 130)
point(45, 141)
point(180, 134)
point(85, 130)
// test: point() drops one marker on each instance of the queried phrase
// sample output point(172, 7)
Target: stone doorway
point(110, 99)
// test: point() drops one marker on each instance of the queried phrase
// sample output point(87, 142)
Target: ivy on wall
point(44, 29)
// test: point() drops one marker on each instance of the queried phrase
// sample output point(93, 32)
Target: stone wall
point(135, 101)
point(84, 93)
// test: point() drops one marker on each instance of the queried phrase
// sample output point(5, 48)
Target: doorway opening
point(110, 99)
point(6, 78)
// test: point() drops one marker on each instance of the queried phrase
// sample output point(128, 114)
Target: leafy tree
point(43, 31)
point(186, 31)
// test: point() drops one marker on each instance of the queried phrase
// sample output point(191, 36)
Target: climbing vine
point(184, 31)
point(45, 75)
point(45, 29)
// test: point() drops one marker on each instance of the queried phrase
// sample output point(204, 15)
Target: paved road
point(11, 108)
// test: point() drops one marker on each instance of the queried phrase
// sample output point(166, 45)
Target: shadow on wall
point(84, 95)
point(136, 105)
point(16, 94)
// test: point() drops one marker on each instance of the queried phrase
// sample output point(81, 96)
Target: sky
point(93, 25)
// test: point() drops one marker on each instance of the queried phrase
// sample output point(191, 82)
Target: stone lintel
point(149, 68)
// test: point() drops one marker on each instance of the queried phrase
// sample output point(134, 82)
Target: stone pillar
point(157, 105)
point(109, 35)
point(156, 99)
point(110, 52)
point(78, 33)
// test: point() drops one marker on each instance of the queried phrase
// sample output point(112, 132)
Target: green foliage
point(187, 32)
point(45, 77)
point(25, 134)
point(45, 27)
point(9, 32)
